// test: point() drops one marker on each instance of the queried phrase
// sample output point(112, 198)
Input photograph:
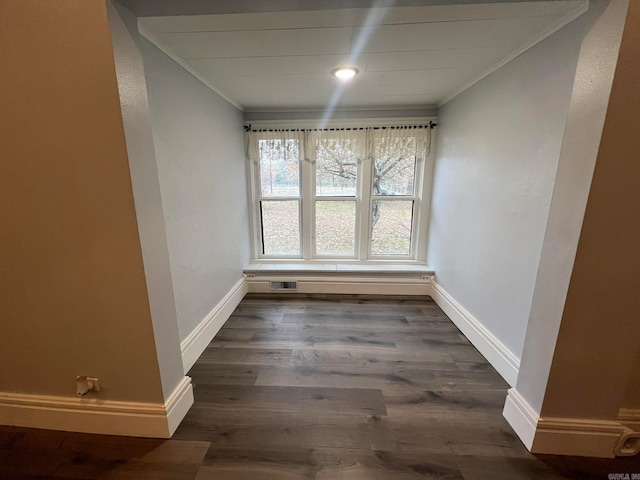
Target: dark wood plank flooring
point(332, 387)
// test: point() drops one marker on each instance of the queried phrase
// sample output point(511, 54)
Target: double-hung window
point(279, 194)
point(347, 194)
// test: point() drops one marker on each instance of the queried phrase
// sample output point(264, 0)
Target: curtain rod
point(247, 128)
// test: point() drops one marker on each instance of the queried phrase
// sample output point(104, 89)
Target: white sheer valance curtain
point(286, 143)
point(355, 144)
point(400, 141)
point(350, 144)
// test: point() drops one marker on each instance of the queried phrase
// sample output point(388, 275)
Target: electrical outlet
point(85, 385)
point(250, 275)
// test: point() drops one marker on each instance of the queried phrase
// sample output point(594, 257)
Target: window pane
point(280, 227)
point(391, 227)
point(279, 168)
point(395, 166)
point(335, 228)
point(336, 167)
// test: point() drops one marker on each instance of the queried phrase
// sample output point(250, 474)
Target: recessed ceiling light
point(345, 72)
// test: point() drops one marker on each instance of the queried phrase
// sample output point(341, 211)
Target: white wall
point(585, 120)
point(199, 146)
point(146, 193)
point(496, 159)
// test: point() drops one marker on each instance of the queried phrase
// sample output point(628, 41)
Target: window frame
point(363, 204)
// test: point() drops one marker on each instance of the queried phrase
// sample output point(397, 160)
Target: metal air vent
point(283, 285)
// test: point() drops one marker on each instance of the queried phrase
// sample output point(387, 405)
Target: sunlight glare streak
point(374, 18)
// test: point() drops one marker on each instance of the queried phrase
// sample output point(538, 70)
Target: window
point(352, 194)
point(279, 196)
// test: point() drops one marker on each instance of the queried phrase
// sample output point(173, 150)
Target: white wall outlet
point(85, 385)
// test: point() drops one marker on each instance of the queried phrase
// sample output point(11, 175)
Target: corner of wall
point(197, 341)
point(568, 436)
point(522, 418)
point(501, 358)
point(136, 119)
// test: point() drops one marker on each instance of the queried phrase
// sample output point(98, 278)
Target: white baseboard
point(562, 436)
point(578, 437)
point(135, 419)
point(522, 418)
point(500, 357)
point(361, 285)
point(196, 342)
point(178, 404)
point(630, 417)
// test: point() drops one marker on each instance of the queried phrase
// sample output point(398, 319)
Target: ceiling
point(408, 56)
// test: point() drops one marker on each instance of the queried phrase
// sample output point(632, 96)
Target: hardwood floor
point(321, 388)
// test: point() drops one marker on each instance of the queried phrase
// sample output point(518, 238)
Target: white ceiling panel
point(232, 44)
point(423, 82)
point(287, 65)
point(283, 101)
point(434, 59)
point(314, 41)
point(263, 21)
point(407, 56)
point(260, 43)
point(486, 11)
point(309, 84)
point(450, 35)
point(362, 101)
point(354, 17)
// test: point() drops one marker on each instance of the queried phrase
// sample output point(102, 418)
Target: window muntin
point(355, 194)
